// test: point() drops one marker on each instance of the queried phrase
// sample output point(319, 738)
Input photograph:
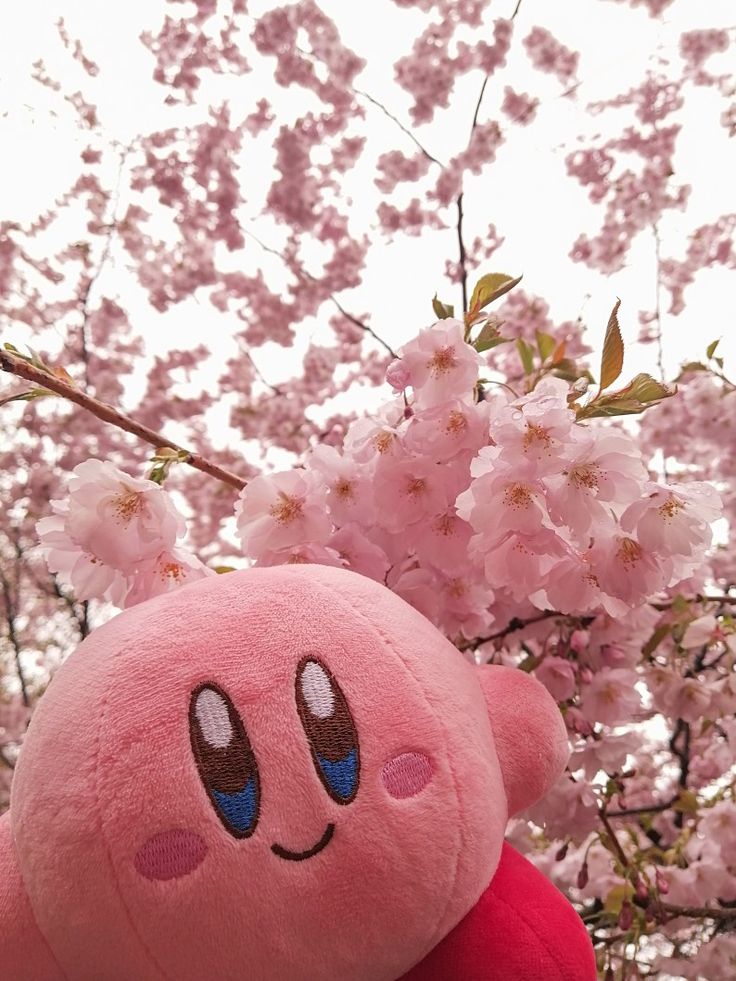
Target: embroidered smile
point(314, 850)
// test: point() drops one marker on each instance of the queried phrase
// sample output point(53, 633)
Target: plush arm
point(24, 954)
point(521, 929)
point(529, 731)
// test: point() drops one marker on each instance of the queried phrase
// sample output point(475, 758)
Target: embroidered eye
point(329, 726)
point(225, 759)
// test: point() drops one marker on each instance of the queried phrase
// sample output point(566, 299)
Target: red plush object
point(521, 929)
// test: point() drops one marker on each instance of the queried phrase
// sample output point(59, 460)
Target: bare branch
point(415, 141)
point(307, 275)
point(364, 326)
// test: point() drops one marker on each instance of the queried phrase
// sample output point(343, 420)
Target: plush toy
point(281, 774)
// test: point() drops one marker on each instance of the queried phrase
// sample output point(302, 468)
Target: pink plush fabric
point(228, 781)
point(24, 954)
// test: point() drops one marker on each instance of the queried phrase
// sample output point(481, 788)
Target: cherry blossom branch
point(463, 254)
point(111, 229)
point(657, 301)
point(363, 326)
point(620, 853)
point(699, 912)
point(404, 129)
point(10, 612)
point(16, 365)
point(307, 275)
point(651, 809)
point(512, 626)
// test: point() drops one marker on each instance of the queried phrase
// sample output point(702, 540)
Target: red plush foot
point(521, 929)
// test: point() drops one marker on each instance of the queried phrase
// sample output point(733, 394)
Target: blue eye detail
point(341, 775)
point(225, 759)
point(330, 729)
point(239, 809)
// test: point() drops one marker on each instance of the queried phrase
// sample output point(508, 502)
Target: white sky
point(526, 193)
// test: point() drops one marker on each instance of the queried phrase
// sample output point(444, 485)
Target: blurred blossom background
point(229, 219)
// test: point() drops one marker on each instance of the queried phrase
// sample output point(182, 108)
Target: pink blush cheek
point(170, 855)
point(407, 774)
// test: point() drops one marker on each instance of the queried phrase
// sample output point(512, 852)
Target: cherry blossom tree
point(491, 463)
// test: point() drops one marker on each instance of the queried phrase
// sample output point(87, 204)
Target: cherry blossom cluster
point(115, 537)
point(474, 507)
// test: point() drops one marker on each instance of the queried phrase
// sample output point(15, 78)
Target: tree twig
point(699, 912)
point(18, 366)
point(650, 809)
point(408, 132)
point(91, 282)
point(621, 854)
point(10, 614)
point(307, 275)
point(512, 626)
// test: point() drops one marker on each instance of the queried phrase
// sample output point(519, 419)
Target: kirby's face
point(275, 774)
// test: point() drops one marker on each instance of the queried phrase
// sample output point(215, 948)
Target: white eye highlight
point(317, 690)
point(214, 718)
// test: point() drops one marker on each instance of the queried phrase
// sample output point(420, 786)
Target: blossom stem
point(614, 840)
point(16, 365)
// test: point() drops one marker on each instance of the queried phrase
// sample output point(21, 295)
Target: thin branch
point(700, 598)
point(307, 275)
point(10, 610)
point(516, 10)
point(713, 913)
point(621, 854)
point(657, 301)
point(513, 625)
point(111, 229)
point(363, 326)
point(651, 809)
point(461, 249)
point(18, 366)
point(408, 132)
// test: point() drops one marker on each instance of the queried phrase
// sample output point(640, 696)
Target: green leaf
point(442, 310)
point(647, 389)
point(490, 336)
point(686, 803)
point(711, 349)
point(489, 288)
point(616, 897)
point(656, 639)
point(526, 353)
point(29, 396)
point(567, 369)
point(222, 569)
point(638, 395)
point(547, 344)
point(692, 366)
point(612, 360)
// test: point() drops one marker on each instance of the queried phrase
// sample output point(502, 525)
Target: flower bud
point(583, 876)
point(626, 916)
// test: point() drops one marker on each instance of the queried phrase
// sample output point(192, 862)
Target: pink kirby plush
point(281, 774)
